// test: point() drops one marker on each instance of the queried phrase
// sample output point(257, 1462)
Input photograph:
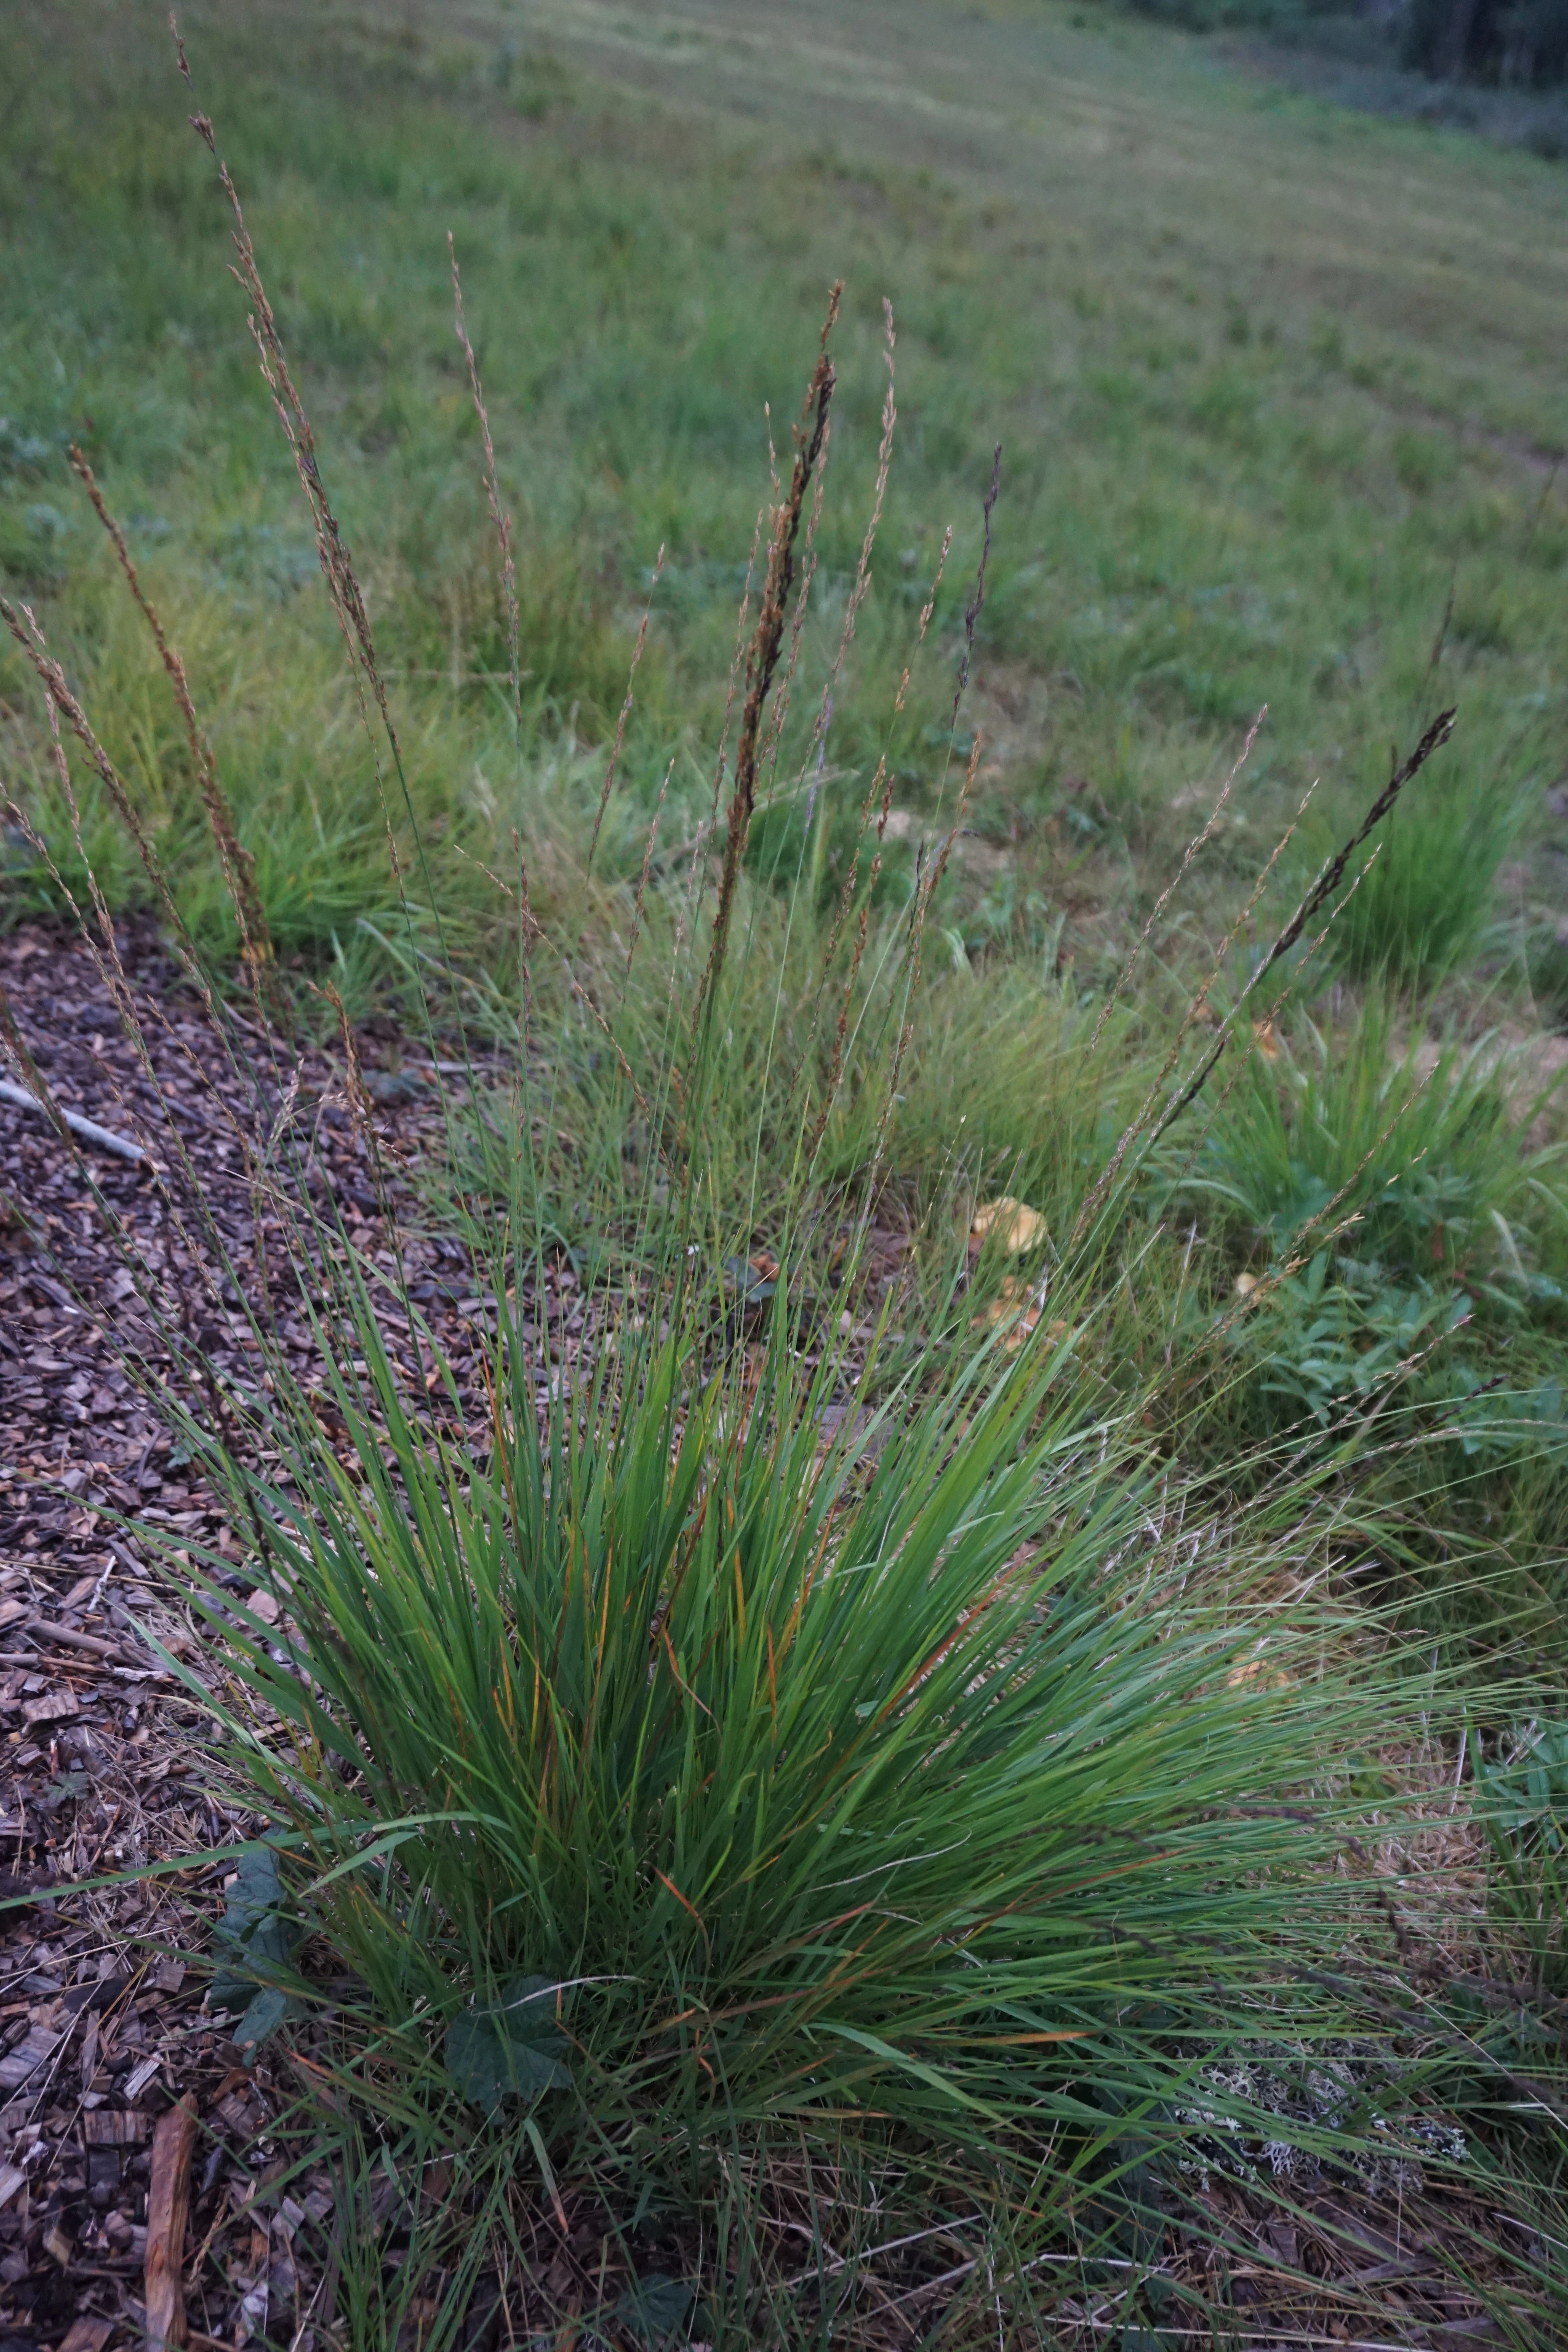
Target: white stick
point(88, 1128)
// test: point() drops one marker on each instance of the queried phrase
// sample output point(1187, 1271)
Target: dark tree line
point(1523, 42)
point(1519, 41)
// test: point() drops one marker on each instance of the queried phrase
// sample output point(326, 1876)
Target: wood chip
point(136, 2082)
point(168, 2206)
point(85, 2335)
point(113, 2127)
point(55, 1706)
point(20, 2066)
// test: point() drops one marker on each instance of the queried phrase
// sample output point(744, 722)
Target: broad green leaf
point(264, 2016)
point(255, 1933)
point(510, 2048)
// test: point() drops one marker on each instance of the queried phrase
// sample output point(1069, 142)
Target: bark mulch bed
point(102, 2022)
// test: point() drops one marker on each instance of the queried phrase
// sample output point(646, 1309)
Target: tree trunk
point(1454, 55)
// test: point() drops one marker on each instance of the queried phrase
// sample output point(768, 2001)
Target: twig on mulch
point(104, 1138)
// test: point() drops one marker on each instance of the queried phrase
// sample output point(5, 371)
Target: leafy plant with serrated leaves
point(1331, 1339)
point(1359, 1130)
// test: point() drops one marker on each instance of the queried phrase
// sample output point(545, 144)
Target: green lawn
point(1270, 382)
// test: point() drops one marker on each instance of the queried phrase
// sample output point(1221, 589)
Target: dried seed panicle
point(238, 866)
point(761, 660)
point(976, 604)
point(499, 515)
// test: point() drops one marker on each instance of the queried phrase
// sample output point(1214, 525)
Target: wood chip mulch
point(102, 2027)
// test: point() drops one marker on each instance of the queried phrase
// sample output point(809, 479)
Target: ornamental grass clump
point(887, 1763)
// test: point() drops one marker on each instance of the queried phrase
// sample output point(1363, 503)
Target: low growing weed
point(1411, 1150)
point(1376, 1203)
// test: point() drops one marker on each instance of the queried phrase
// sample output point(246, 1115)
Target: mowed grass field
point(1273, 385)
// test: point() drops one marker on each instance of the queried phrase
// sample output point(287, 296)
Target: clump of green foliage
point(1423, 906)
point(1388, 1227)
point(1526, 1786)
